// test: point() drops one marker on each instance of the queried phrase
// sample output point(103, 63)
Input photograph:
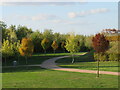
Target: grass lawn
point(36, 77)
point(87, 62)
point(36, 58)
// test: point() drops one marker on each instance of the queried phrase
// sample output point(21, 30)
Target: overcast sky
point(81, 18)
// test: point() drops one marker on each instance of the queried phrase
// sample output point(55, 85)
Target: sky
point(82, 18)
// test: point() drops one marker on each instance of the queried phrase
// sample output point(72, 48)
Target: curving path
point(50, 64)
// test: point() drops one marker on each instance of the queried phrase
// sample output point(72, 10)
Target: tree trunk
point(26, 60)
point(64, 50)
point(72, 58)
point(54, 51)
point(5, 62)
point(98, 68)
point(45, 51)
point(18, 59)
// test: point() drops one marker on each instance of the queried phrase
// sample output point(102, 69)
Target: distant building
point(110, 31)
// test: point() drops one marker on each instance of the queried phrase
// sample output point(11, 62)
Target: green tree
point(88, 42)
point(23, 31)
point(11, 35)
point(3, 27)
point(54, 46)
point(72, 45)
point(36, 38)
point(7, 49)
point(26, 48)
point(48, 34)
point(16, 46)
point(45, 44)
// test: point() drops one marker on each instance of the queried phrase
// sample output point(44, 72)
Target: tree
point(45, 44)
point(26, 48)
point(88, 42)
point(72, 45)
point(100, 45)
point(23, 31)
point(54, 46)
point(11, 35)
point(3, 27)
point(48, 34)
point(16, 46)
point(63, 45)
point(7, 49)
point(36, 38)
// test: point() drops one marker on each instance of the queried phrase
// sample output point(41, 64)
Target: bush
point(114, 57)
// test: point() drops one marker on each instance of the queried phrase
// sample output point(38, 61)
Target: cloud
point(37, 17)
point(71, 22)
point(85, 13)
point(72, 14)
point(43, 17)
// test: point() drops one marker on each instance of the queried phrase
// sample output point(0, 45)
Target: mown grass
point(36, 77)
point(35, 58)
point(87, 62)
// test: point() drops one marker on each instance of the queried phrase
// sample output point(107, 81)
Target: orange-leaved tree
point(100, 45)
point(26, 49)
point(54, 46)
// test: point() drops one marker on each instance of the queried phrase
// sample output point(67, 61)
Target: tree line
point(18, 39)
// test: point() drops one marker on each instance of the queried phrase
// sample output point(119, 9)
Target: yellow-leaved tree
point(54, 46)
point(26, 48)
point(72, 45)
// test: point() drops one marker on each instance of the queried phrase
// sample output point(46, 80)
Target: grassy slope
point(36, 77)
point(87, 62)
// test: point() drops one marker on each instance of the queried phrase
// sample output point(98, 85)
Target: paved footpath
point(50, 64)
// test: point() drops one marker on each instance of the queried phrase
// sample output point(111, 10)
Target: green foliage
point(16, 46)
point(3, 27)
point(11, 35)
point(114, 57)
point(7, 49)
point(100, 56)
point(72, 44)
point(36, 38)
point(48, 34)
point(88, 42)
point(23, 31)
point(114, 47)
point(45, 44)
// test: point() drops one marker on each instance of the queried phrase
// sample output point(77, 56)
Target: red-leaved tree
point(100, 45)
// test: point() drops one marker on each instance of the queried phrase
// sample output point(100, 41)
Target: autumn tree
point(54, 46)
point(72, 45)
point(63, 45)
point(100, 45)
point(26, 48)
point(45, 44)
